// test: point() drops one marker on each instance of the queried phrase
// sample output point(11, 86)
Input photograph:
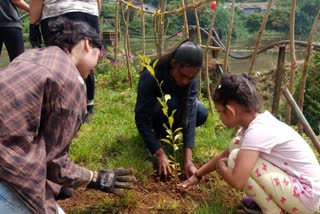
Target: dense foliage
point(311, 104)
point(278, 19)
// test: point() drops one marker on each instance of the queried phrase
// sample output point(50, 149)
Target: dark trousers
point(93, 21)
point(13, 40)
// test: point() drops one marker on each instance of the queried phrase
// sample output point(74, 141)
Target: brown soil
point(152, 196)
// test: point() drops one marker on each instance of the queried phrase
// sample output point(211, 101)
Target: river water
point(244, 46)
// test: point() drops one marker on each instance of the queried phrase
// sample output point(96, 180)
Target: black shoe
point(90, 109)
point(65, 192)
point(250, 206)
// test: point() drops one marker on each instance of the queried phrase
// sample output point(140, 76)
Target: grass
point(111, 139)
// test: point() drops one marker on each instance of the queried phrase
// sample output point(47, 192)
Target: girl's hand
point(191, 181)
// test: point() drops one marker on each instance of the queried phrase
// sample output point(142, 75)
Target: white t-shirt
point(282, 146)
point(53, 8)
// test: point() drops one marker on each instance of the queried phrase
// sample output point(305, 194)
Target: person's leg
point(270, 188)
point(90, 83)
point(93, 21)
point(45, 30)
point(202, 114)
point(10, 203)
point(13, 41)
point(278, 186)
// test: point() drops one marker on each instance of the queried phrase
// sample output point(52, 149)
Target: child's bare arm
point(237, 177)
point(21, 4)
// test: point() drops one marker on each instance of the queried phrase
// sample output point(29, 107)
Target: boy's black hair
point(237, 88)
point(65, 33)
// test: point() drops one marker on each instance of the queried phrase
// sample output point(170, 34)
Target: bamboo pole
point(185, 19)
point(278, 80)
point(159, 21)
point(262, 28)
point(307, 128)
point(211, 47)
point(143, 29)
point(199, 42)
point(225, 63)
point(207, 58)
point(306, 65)
point(292, 57)
point(198, 24)
point(116, 30)
point(126, 43)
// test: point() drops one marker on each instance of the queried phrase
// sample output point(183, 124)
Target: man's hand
point(189, 169)
point(163, 163)
point(111, 181)
point(35, 35)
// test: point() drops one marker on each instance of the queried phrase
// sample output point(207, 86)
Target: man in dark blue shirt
point(177, 72)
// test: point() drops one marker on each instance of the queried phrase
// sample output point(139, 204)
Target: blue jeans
point(10, 203)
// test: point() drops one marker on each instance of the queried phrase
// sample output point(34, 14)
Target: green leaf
point(171, 120)
point(167, 97)
point(141, 56)
point(177, 137)
point(155, 63)
point(169, 132)
point(165, 111)
point(175, 147)
point(165, 141)
point(150, 69)
point(160, 101)
point(165, 126)
point(147, 60)
point(143, 64)
point(177, 130)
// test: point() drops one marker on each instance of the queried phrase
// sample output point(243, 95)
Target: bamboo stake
point(185, 19)
point(278, 80)
point(156, 31)
point(143, 29)
point(198, 24)
point(207, 58)
point(292, 57)
point(116, 30)
point(126, 43)
point(306, 65)
point(262, 28)
point(200, 42)
point(159, 21)
point(308, 130)
point(225, 63)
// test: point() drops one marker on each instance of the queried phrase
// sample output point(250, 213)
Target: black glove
point(35, 35)
point(111, 181)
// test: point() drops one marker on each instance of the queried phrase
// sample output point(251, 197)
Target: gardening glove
point(111, 181)
point(35, 35)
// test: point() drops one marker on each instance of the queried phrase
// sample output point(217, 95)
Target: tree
point(279, 19)
point(311, 104)
point(253, 21)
